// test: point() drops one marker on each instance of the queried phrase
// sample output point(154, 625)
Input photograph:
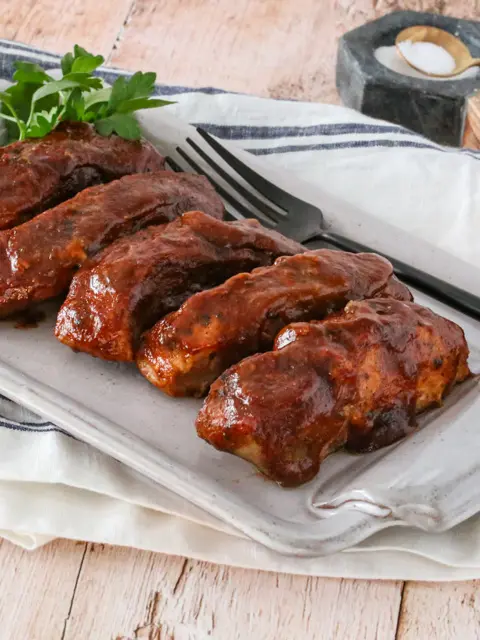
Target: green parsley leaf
point(141, 85)
point(43, 122)
point(30, 73)
point(75, 106)
point(54, 87)
point(36, 102)
point(19, 98)
point(118, 94)
point(40, 127)
point(79, 51)
point(124, 125)
point(141, 103)
point(85, 80)
point(87, 64)
point(97, 97)
point(67, 63)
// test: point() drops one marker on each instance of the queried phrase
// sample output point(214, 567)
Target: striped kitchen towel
point(53, 485)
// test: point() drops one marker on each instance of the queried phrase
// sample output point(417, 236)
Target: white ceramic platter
point(430, 480)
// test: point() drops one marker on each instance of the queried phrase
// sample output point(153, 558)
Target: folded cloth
point(52, 485)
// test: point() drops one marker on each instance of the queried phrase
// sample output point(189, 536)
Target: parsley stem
point(9, 118)
point(16, 119)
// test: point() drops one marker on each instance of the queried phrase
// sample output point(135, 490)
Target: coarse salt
point(428, 57)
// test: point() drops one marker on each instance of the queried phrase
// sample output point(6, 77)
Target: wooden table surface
point(76, 591)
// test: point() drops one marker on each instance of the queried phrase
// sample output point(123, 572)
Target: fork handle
point(447, 293)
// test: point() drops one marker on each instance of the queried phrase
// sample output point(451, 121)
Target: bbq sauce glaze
point(357, 379)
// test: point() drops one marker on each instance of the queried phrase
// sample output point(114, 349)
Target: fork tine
point(229, 217)
point(443, 291)
point(178, 169)
point(278, 196)
point(229, 179)
point(242, 210)
point(173, 165)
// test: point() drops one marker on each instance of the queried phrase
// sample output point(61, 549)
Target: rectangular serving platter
point(430, 480)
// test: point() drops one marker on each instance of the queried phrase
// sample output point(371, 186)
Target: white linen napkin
point(52, 485)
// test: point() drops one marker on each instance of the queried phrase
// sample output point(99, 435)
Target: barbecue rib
point(188, 349)
point(133, 283)
point(357, 378)
point(39, 258)
point(38, 174)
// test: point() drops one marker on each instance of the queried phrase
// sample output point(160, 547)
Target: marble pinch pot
point(432, 108)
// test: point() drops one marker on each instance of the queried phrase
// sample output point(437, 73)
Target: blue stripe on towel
point(25, 426)
point(359, 144)
point(247, 132)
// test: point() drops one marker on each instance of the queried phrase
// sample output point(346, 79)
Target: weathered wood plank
point(442, 611)
point(36, 589)
point(13, 15)
point(119, 592)
point(57, 26)
point(124, 593)
point(471, 136)
point(280, 48)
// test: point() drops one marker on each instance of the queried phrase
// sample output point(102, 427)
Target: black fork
point(301, 221)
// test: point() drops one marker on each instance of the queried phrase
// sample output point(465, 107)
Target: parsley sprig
point(35, 104)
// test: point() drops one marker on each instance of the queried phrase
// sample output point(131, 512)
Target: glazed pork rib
point(36, 175)
point(357, 379)
point(187, 350)
point(133, 283)
point(39, 258)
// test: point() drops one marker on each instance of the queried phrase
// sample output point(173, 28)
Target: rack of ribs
point(39, 258)
point(187, 350)
point(36, 175)
point(133, 283)
point(356, 379)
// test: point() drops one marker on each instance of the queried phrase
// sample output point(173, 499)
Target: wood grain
point(440, 611)
point(57, 26)
point(36, 589)
point(471, 136)
point(279, 49)
point(13, 15)
point(181, 599)
point(289, 45)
